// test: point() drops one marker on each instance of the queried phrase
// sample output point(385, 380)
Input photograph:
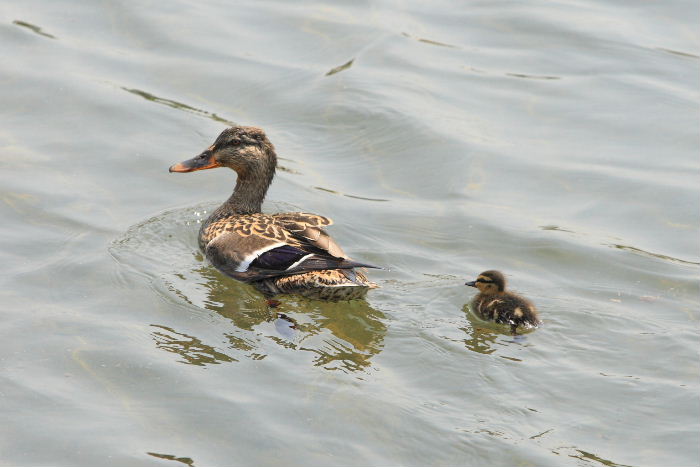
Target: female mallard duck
point(494, 303)
point(276, 253)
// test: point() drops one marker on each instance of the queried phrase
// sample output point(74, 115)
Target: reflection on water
point(177, 105)
point(429, 41)
point(676, 52)
point(522, 75)
point(34, 28)
point(191, 349)
point(655, 255)
point(339, 335)
point(480, 340)
point(335, 192)
point(482, 336)
point(357, 334)
point(587, 456)
point(613, 244)
point(170, 457)
point(340, 68)
point(512, 74)
point(555, 228)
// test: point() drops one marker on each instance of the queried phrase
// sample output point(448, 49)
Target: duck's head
point(489, 282)
point(244, 149)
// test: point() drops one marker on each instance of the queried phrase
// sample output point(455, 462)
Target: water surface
point(556, 141)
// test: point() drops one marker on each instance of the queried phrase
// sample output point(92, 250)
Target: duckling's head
point(489, 282)
point(244, 149)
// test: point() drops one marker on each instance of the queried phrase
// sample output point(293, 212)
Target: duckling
point(495, 304)
point(276, 253)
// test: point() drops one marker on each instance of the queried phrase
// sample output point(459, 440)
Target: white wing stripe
point(303, 258)
point(243, 265)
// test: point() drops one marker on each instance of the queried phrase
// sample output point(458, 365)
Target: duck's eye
point(484, 281)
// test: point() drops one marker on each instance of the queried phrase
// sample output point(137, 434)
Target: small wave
point(340, 68)
point(177, 105)
point(653, 255)
point(35, 29)
point(335, 192)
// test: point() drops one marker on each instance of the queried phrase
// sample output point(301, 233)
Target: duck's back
point(241, 246)
point(506, 308)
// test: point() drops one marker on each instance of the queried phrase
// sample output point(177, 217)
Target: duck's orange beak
point(205, 160)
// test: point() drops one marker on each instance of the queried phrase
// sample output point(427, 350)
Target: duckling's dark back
point(506, 308)
point(496, 304)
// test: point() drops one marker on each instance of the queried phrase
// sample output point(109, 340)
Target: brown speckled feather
point(231, 243)
point(333, 284)
point(251, 232)
point(276, 227)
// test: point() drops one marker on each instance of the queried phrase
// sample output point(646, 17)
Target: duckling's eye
point(484, 281)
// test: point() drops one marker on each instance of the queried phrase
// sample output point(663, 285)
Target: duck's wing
point(259, 246)
point(307, 229)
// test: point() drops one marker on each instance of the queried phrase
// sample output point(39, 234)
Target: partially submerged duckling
point(495, 304)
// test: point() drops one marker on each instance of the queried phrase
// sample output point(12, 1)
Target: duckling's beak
point(471, 284)
point(205, 160)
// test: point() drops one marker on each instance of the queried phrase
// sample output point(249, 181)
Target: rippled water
point(556, 141)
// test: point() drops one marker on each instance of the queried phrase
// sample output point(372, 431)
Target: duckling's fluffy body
point(276, 253)
point(494, 303)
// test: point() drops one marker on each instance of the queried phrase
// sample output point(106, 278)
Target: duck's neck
point(248, 194)
point(251, 186)
point(255, 174)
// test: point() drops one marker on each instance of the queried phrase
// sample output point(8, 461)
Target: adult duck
point(276, 253)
